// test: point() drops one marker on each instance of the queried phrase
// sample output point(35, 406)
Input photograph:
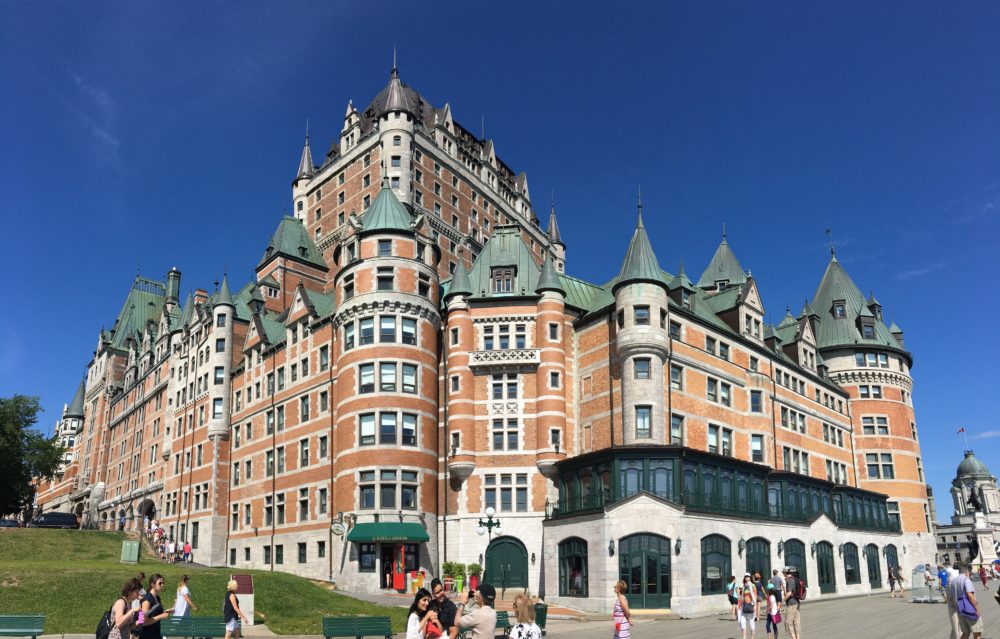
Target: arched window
point(573, 568)
point(758, 552)
point(631, 477)
point(716, 564)
point(795, 556)
point(852, 571)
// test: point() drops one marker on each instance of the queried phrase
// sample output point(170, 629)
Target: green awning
point(388, 531)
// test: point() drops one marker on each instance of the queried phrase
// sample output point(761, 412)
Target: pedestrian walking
point(123, 615)
point(231, 612)
point(901, 581)
point(422, 621)
point(171, 550)
point(778, 581)
point(152, 610)
point(747, 613)
point(137, 603)
point(187, 552)
point(620, 613)
point(773, 612)
point(983, 575)
point(525, 628)
point(892, 582)
point(793, 620)
point(183, 604)
point(734, 598)
point(963, 591)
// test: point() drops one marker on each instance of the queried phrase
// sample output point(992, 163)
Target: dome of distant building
point(971, 466)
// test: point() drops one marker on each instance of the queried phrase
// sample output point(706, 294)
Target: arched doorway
point(758, 552)
point(795, 556)
point(824, 564)
point(891, 558)
point(506, 563)
point(874, 569)
point(147, 509)
point(644, 565)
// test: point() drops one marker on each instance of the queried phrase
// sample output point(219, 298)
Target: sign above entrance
point(338, 529)
point(388, 532)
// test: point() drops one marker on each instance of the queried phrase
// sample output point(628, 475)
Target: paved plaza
point(877, 617)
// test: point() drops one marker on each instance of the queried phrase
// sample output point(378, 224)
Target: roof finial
point(395, 69)
point(723, 231)
point(482, 127)
point(833, 249)
point(640, 205)
point(552, 202)
point(307, 129)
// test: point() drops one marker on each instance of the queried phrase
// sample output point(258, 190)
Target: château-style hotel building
point(413, 352)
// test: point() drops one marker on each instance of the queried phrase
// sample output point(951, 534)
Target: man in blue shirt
point(942, 577)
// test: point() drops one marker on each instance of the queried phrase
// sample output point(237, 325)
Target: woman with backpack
point(747, 611)
point(734, 598)
point(119, 620)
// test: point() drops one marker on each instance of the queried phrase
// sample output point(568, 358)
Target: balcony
point(516, 359)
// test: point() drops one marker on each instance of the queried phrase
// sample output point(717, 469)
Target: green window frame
point(716, 564)
point(573, 568)
point(852, 571)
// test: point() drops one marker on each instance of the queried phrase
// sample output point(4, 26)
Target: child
point(773, 612)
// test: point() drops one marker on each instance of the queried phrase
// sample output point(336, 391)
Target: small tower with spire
point(300, 185)
point(641, 340)
point(397, 108)
point(556, 245)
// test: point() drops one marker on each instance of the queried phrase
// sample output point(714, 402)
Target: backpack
point(800, 589)
point(748, 607)
point(106, 623)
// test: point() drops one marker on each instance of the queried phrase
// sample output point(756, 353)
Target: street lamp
point(487, 526)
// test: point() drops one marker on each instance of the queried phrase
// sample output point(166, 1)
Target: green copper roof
point(144, 302)
point(386, 213)
point(972, 466)
point(291, 240)
point(724, 266)
point(188, 311)
point(224, 297)
point(640, 263)
point(75, 408)
point(459, 283)
point(584, 295)
point(894, 329)
point(843, 331)
point(504, 248)
point(548, 280)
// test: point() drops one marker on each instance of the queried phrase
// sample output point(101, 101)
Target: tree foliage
point(24, 452)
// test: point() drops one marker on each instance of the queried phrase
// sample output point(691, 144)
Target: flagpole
point(965, 436)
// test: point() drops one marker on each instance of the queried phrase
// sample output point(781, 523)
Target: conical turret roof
point(306, 168)
point(396, 96)
point(724, 266)
point(75, 408)
point(548, 280)
point(553, 230)
point(188, 311)
point(460, 283)
point(640, 263)
point(225, 297)
point(386, 213)
point(834, 330)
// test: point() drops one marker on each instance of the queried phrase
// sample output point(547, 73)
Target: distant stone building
point(412, 353)
point(972, 479)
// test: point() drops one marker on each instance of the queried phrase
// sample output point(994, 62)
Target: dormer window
point(503, 279)
point(868, 330)
point(839, 309)
point(720, 285)
point(686, 299)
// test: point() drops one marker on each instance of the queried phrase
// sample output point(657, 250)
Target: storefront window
point(366, 557)
point(716, 553)
point(573, 568)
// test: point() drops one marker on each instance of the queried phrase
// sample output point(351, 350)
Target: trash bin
point(130, 552)
point(541, 614)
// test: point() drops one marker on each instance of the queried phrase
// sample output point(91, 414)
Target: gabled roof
point(724, 266)
point(75, 408)
point(144, 302)
point(640, 263)
point(291, 240)
point(843, 331)
point(386, 213)
point(504, 248)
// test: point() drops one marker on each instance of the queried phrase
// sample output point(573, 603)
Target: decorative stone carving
point(525, 359)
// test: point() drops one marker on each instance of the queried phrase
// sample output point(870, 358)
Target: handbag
point(776, 618)
point(966, 609)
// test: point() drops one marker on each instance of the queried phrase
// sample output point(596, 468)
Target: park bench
point(357, 627)
point(197, 627)
point(21, 625)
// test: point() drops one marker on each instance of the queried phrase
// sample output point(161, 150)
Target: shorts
point(969, 626)
point(233, 625)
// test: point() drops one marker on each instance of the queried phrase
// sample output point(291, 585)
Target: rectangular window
point(409, 433)
point(281, 459)
point(366, 557)
point(385, 278)
point(220, 346)
point(220, 374)
point(302, 552)
point(553, 379)
point(641, 367)
point(304, 408)
point(712, 389)
point(713, 438)
point(503, 279)
point(366, 489)
point(366, 429)
point(348, 336)
point(754, 364)
point(387, 428)
point(384, 248)
point(409, 330)
point(454, 336)
point(367, 331)
point(553, 331)
point(675, 330)
point(409, 378)
point(303, 452)
point(387, 377)
point(724, 350)
point(756, 401)
point(676, 430)
point(387, 489)
point(324, 358)
point(642, 316)
point(322, 501)
point(725, 395)
point(269, 463)
point(505, 434)
point(387, 328)
point(643, 421)
point(757, 448)
point(710, 345)
point(366, 378)
point(676, 377)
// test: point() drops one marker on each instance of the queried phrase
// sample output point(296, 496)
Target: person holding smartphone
point(482, 621)
point(152, 611)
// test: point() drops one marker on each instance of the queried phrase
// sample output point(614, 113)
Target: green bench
point(21, 625)
point(193, 627)
point(357, 627)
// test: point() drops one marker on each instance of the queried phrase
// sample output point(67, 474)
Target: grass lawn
point(73, 576)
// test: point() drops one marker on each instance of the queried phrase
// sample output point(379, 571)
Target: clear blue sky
point(166, 134)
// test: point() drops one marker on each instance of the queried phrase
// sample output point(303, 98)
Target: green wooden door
point(874, 569)
point(506, 564)
point(824, 563)
point(644, 565)
point(758, 552)
point(795, 556)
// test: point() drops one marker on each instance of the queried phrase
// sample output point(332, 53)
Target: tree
point(25, 453)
